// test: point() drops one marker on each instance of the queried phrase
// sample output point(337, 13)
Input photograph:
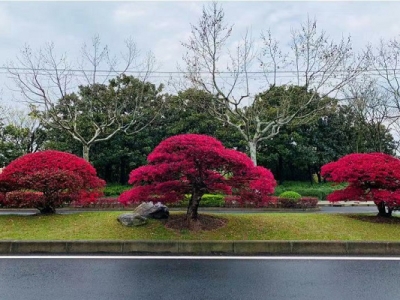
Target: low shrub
point(98, 203)
point(287, 203)
point(288, 199)
point(115, 190)
point(290, 195)
point(307, 202)
point(236, 201)
point(319, 190)
point(22, 199)
point(208, 200)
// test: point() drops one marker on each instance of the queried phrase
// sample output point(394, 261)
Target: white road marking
point(106, 257)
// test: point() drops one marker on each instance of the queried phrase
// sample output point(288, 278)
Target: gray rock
point(150, 210)
point(132, 219)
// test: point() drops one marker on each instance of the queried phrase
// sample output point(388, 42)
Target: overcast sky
point(160, 27)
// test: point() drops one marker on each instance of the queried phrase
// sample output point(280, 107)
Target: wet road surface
point(195, 278)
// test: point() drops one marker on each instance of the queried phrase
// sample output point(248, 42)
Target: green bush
point(208, 200)
point(115, 190)
point(288, 199)
point(290, 195)
point(319, 190)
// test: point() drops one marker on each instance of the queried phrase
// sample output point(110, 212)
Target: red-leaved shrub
point(59, 176)
point(197, 164)
point(307, 202)
point(371, 176)
point(23, 199)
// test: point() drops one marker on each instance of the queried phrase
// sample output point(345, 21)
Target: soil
point(204, 222)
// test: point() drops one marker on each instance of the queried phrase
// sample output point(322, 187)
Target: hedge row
point(215, 201)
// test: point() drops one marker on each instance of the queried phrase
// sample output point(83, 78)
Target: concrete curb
point(202, 247)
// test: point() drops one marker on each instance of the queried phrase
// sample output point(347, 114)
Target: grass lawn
point(277, 226)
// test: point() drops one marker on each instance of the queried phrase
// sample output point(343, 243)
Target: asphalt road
point(124, 278)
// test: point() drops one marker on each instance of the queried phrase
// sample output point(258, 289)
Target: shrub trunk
point(191, 214)
point(47, 210)
point(383, 211)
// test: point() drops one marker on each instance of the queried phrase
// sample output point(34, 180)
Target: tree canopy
point(197, 164)
point(371, 176)
point(58, 176)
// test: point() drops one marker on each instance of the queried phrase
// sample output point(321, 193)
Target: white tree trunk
point(253, 151)
point(85, 152)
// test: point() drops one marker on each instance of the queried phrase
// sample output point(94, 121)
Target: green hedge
point(208, 200)
point(321, 191)
point(115, 190)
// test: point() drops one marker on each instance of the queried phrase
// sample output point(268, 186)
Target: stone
point(150, 210)
point(132, 219)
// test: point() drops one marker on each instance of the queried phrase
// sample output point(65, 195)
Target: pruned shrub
point(370, 176)
point(288, 199)
point(22, 199)
point(290, 195)
point(60, 177)
point(307, 202)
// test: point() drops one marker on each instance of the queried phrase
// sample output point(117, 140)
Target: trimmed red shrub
point(23, 199)
point(61, 177)
point(197, 164)
point(307, 202)
point(371, 176)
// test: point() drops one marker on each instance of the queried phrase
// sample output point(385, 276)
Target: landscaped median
point(253, 234)
point(202, 247)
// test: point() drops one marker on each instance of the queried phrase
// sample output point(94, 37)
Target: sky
point(161, 27)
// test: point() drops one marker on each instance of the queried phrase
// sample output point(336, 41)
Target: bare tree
point(80, 98)
point(314, 62)
point(373, 105)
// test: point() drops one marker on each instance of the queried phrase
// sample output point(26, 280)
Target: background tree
point(97, 111)
point(59, 177)
point(19, 134)
point(299, 151)
point(182, 113)
point(371, 176)
point(372, 105)
point(197, 164)
point(319, 65)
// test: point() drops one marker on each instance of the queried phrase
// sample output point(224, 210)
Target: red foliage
point(371, 176)
point(59, 176)
point(186, 163)
point(23, 199)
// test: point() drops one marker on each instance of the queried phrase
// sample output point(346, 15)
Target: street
point(278, 278)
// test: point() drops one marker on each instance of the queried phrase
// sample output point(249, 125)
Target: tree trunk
point(310, 174)
point(191, 214)
point(108, 173)
point(47, 209)
point(279, 170)
point(253, 151)
point(382, 211)
point(85, 152)
point(319, 176)
point(123, 174)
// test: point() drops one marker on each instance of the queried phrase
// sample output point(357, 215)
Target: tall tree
point(320, 65)
point(74, 98)
point(372, 105)
point(20, 134)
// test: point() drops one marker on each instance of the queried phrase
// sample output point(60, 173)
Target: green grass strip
point(277, 226)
